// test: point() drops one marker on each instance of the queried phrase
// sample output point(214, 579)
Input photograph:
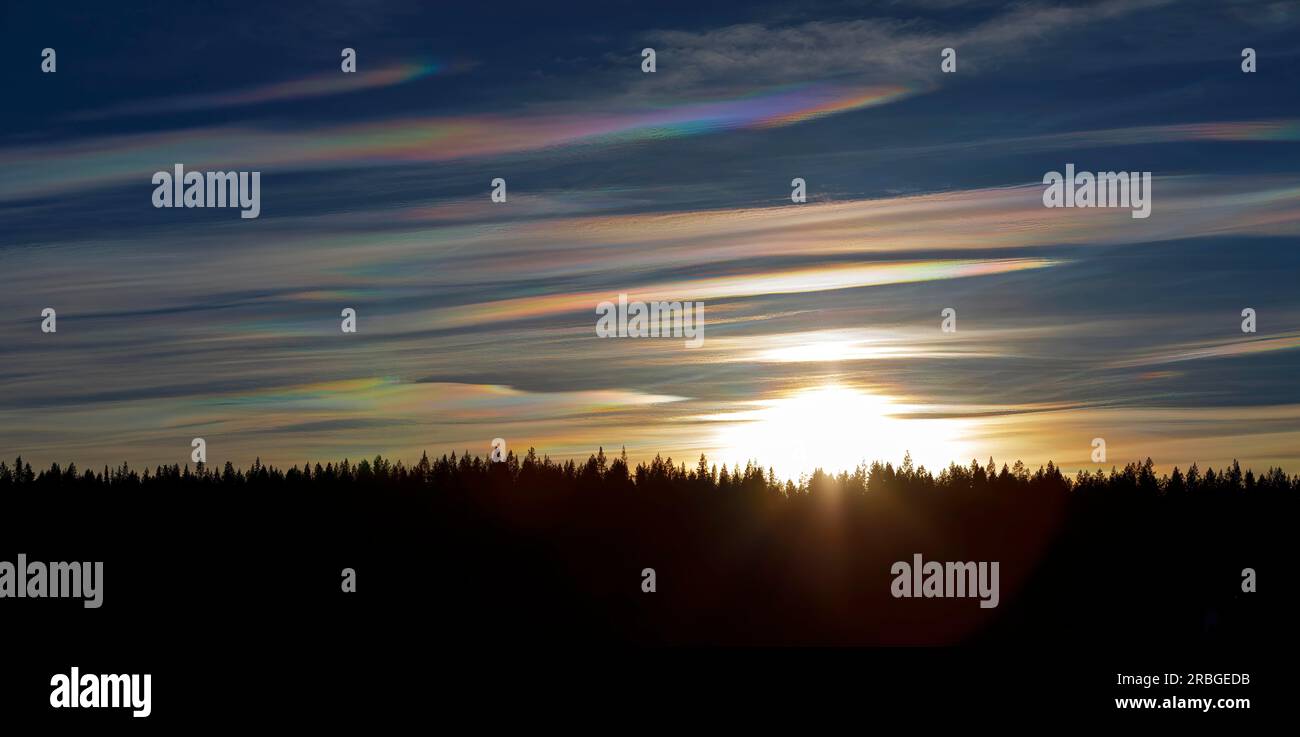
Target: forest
point(534, 548)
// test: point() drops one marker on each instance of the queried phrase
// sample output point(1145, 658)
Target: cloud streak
point(318, 85)
point(45, 170)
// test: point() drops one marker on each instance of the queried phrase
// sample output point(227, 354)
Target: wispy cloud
point(1246, 345)
point(749, 284)
point(42, 170)
point(319, 85)
point(867, 49)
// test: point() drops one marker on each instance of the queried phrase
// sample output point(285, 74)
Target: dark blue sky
point(924, 193)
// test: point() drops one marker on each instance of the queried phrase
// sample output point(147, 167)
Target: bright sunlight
point(834, 427)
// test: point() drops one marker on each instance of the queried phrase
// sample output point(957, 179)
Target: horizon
point(514, 460)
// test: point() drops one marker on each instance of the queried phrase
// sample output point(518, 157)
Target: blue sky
point(476, 320)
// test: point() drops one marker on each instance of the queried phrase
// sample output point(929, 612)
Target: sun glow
point(834, 428)
point(825, 351)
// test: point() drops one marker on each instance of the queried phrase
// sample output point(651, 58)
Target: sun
point(834, 428)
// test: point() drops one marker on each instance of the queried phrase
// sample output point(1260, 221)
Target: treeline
point(532, 550)
point(600, 471)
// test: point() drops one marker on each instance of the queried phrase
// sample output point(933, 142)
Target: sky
point(477, 319)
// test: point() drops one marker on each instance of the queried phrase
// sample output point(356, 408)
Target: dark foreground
point(522, 582)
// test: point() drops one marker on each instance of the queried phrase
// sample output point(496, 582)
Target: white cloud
point(864, 51)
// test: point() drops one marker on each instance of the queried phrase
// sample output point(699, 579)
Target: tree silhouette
point(742, 556)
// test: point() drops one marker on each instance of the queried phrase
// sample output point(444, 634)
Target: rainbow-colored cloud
point(42, 170)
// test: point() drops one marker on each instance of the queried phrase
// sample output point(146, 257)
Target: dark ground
point(509, 591)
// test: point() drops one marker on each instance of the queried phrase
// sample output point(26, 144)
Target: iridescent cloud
point(232, 334)
point(785, 281)
point(42, 170)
